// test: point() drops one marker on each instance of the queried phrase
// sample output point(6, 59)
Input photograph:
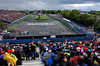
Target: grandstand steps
point(1, 37)
point(36, 62)
point(30, 62)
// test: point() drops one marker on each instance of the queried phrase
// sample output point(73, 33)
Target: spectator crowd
point(69, 53)
point(10, 15)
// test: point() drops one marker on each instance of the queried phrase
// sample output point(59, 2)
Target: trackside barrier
point(85, 26)
point(47, 40)
point(96, 31)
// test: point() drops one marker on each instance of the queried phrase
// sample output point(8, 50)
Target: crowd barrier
point(45, 36)
point(46, 40)
point(85, 26)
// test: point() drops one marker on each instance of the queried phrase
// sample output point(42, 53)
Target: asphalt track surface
point(43, 28)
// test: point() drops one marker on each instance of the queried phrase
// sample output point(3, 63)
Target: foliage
point(98, 28)
point(30, 12)
point(44, 11)
point(10, 30)
point(65, 13)
point(42, 18)
point(2, 25)
point(35, 17)
point(23, 11)
point(59, 11)
point(91, 19)
point(94, 12)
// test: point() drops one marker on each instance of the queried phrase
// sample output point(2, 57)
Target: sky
point(84, 5)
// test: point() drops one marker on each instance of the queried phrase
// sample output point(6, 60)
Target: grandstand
point(10, 15)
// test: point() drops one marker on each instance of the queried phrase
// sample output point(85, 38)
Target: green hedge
point(65, 25)
point(10, 30)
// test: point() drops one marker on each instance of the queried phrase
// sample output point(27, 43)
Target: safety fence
point(46, 40)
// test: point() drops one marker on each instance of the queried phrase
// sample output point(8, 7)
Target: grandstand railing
point(41, 37)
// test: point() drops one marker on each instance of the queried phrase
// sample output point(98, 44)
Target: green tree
point(59, 11)
point(53, 12)
point(48, 11)
point(65, 13)
point(74, 14)
point(98, 28)
point(44, 11)
point(31, 12)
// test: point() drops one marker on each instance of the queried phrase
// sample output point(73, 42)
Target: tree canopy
point(91, 18)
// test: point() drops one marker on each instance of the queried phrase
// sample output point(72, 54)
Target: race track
point(43, 28)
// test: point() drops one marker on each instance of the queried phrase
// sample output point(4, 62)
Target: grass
point(42, 18)
point(35, 17)
point(30, 15)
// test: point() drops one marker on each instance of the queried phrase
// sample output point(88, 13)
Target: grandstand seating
point(10, 15)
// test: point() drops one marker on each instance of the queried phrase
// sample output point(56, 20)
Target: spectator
point(81, 61)
point(26, 50)
point(33, 49)
point(49, 61)
point(55, 62)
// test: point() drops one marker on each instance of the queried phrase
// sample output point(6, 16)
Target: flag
point(35, 45)
point(15, 38)
point(31, 42)
point(7, 43)
point(64, 42)
point(91, 44)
